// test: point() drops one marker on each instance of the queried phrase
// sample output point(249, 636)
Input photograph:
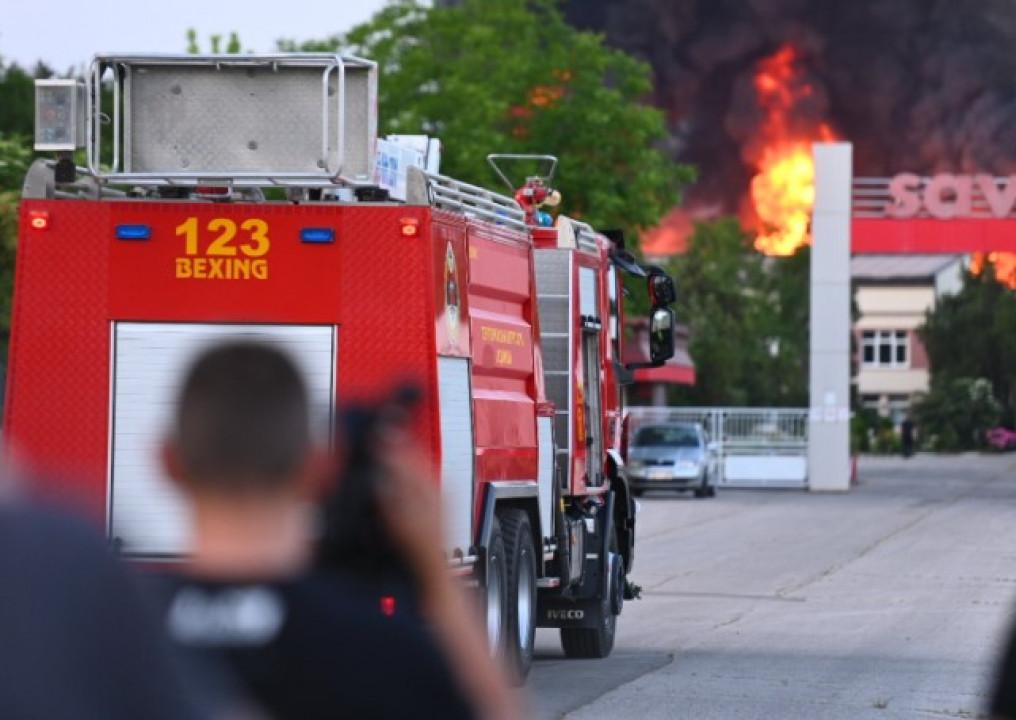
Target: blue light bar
point(317, 235)
point(133, 232)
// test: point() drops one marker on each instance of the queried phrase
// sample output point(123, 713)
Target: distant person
point(306, 644)
point(76, 640)
point(907, 436)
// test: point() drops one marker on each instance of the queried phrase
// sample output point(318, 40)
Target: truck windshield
point(667, 435)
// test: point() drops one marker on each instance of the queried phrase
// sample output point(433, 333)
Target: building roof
point(899, 267)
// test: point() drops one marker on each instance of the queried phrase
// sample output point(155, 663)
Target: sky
point(66, 33)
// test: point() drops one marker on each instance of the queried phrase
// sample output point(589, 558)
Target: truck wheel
point(595, 642)
point(521, 557)
point(496, 584)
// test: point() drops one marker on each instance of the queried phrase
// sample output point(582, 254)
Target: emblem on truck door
point(451, 286)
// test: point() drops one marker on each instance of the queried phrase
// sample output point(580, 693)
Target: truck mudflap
point(603, 586)
point(561, 612)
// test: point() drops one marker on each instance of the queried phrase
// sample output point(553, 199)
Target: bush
point(956, 413)
point(859, 438)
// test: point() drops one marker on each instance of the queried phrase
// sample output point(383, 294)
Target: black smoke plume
point(916, 85)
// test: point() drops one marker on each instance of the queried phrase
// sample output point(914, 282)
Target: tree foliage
point(973, 335)
point(957, 411)
point(747, 317)
point(17, 108)
point(15, 157)
point(233, 46)
point(17, 98)
point(511, 76)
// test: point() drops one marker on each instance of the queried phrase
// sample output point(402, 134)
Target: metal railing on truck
point(753, 447)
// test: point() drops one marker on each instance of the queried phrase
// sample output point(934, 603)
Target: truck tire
point(495, 588)
point(595, 642)
point(521, 595)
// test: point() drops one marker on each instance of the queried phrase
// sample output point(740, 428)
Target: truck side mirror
point(661, 289)
point(661, 335)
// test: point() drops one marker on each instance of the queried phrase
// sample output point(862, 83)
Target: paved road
point(888, 602)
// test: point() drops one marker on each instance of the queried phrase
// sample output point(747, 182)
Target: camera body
point(354, 539)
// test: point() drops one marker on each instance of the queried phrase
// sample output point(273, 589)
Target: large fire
point(782, 190)
point(1004, 262)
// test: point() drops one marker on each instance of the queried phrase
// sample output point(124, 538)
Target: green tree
point(747, 317)
point(17, 121)
point(973, 335)
point(233, 45)
point(957, 411)
point(17, 98)
point(511, 76)
point(15, 156)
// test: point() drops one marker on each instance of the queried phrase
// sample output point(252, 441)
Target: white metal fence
point(754, 447)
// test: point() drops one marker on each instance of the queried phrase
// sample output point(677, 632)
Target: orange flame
point(783, 190)
point(1004, 262)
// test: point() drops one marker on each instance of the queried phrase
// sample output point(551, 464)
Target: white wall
point(892, 381)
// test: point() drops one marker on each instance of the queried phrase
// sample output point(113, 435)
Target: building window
point(885, 348)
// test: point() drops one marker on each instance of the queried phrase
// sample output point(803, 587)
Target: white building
point(893, 294)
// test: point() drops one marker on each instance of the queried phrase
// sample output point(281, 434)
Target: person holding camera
point(297, 640)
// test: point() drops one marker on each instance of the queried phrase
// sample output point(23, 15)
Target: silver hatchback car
point(670, 456)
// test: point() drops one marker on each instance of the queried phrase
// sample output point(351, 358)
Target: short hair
point(243, 420)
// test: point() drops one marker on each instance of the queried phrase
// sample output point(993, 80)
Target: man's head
point(242, 424)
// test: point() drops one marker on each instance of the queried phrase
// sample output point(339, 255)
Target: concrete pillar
point(829, 385)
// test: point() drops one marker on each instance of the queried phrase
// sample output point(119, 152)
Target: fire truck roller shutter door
point(454, 396)
point(149, 359)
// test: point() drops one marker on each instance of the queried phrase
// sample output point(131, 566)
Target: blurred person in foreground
point(304, 643)
point(76, 639)
point(1003, 695)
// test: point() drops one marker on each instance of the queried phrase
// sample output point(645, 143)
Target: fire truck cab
point(248, 196)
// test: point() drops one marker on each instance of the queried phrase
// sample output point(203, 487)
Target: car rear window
point(667, 435)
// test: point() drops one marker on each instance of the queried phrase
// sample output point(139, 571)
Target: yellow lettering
point(501, 336)
point(215, 268)
point(183, 269)
point(503, 357)
point(227, 231)
point(189, 229)
point(259, 243)
point(219, 261)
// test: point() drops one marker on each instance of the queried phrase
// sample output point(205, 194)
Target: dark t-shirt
point(76, 640)
point(315, 647)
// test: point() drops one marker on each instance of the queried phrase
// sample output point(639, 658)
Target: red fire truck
point(248, 196)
